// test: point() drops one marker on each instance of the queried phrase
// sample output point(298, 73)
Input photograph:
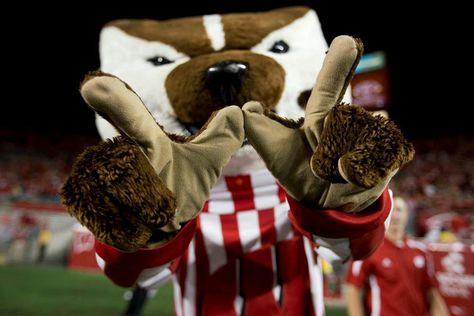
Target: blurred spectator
point(29, 231)
point(398, 278)
point(446, 235)
point(44, 237)
point(7, 232)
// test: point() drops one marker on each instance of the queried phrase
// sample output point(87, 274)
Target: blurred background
point(412, 69)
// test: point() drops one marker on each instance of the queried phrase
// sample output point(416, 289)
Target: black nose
point(224, 79)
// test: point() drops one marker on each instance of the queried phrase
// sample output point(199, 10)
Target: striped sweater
point(253, 250)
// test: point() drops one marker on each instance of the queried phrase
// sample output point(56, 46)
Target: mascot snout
point(210, 82)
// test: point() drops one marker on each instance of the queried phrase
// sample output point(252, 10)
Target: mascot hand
point(140, 187)
point(340, 156)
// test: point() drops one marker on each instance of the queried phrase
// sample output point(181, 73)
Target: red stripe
point(266, 221)
point(281, 194)
point(293, 272)
point(205, 208)
point(202, 268)
point(230, 233)
point(182, 274)
point(257, 281)
point(174, 265)
point(221, 291)
point(241, 190)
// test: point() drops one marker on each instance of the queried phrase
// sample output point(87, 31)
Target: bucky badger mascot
point(210, 174)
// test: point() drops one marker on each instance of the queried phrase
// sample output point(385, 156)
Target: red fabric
point(257, 279)
point(242, 192)
point(365, 230)
point(253, 276)
point(365, 245)
point(266, 220)
point(294, 276)
point(220, 292)
point(230, 233)
point(402, 274)
point(238, 255)
point(337, 224)
point(123, 268)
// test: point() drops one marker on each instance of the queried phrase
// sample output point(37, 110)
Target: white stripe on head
point(215, 31)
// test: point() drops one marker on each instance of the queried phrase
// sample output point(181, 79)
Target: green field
point(38, 291)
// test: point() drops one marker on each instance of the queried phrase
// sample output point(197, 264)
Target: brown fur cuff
point(370, 147)
point(114, 191)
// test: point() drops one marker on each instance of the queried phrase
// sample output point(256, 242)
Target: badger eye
point(159, 61)
point(280, 47)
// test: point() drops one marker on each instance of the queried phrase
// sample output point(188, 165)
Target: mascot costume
point(210, 176)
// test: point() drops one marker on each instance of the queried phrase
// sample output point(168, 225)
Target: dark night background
point(52, 47)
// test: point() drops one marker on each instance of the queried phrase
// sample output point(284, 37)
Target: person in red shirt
point(398, 278)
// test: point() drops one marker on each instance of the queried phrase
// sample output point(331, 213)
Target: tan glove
point(340, 156)
point(144, 182)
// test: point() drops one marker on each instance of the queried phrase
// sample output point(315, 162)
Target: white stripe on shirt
point(213, 240)
point(189, 303)
point(265, 190)
point(282, 224)
point(375, 293)
point(220, 199)
point(249, 230)
point(316, 278)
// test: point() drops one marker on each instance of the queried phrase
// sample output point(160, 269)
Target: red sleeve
point(358, 272)
point(361, 234)
point(123, 268)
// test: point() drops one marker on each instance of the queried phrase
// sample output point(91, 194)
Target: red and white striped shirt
point(250, 251)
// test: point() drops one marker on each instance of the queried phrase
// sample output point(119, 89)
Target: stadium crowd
point(439, 180)
point(33, 167)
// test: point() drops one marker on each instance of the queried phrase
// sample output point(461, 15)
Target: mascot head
point(184, 69)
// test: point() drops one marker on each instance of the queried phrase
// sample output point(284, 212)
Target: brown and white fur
point(168, 63)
